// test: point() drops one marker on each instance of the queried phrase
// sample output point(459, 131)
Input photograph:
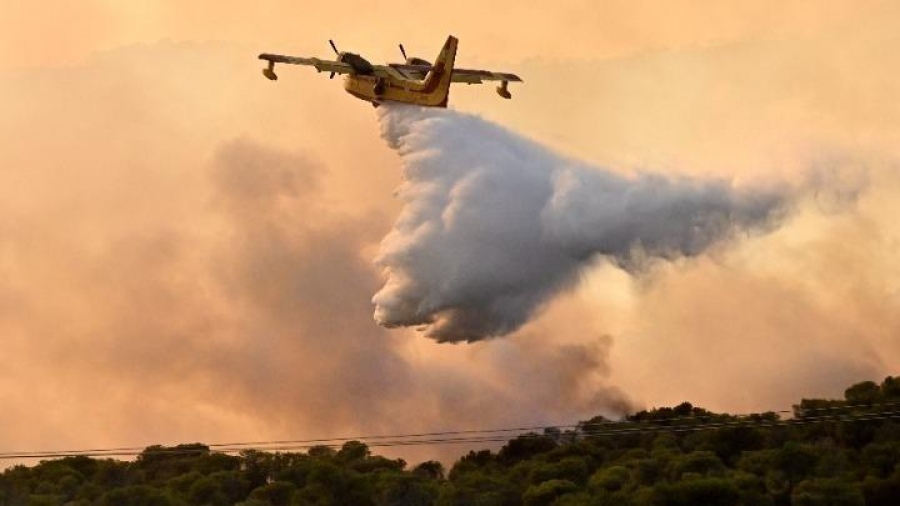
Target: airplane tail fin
point(437, 82)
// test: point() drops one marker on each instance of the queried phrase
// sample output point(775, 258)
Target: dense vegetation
point(828, 453)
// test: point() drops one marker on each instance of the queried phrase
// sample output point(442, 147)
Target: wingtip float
point(416, 81)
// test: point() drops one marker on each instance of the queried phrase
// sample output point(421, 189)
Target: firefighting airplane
point(415, 82)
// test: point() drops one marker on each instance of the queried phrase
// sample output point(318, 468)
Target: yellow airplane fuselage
point(433, 91)
point(378, 90)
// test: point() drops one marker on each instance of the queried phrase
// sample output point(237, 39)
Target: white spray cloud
point(494, 224)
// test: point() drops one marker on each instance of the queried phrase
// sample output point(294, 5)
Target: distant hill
point(827, 452)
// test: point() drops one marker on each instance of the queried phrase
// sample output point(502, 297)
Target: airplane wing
point(479, 76)
point(320, 65)
point(337, 67)
point(459, 75)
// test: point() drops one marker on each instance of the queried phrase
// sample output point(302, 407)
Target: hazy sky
point(186, 248)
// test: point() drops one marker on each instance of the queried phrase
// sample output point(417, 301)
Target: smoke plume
point(494, 224)
point(167, 277)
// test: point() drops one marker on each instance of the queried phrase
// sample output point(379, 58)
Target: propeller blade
point(331, 76)
point(333, 47)
point(403, 51)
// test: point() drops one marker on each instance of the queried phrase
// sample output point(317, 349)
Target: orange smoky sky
point(186, 248)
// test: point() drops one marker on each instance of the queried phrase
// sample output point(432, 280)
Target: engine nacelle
point(360, 65)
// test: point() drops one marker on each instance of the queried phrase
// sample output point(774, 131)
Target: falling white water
point(495, 224)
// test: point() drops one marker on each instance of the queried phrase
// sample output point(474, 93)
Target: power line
point(581, 430)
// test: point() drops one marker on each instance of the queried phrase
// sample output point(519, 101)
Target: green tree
point(352, 451)
point(890, 389)
point(867, 392)
point(705, 491)
point(796, 461)
point(881, 491)
point(136, 495)
point(610, 479)
point(547, 492)
point(407, 490)
point(277, 493)
point(525, 447)
point(827, 492)
point(476, 488)
point(700, 462)
point(573, 469)
point(430, 469)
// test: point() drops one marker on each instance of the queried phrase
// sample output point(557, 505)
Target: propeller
point(403, 51)
point(331, 76)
